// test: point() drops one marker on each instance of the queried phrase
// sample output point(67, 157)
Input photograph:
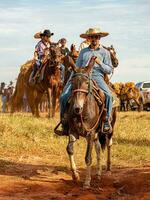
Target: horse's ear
point(91, 64)
point(72, 64)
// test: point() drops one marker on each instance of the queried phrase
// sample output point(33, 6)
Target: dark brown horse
point(2, 86)
point(114, 60)
point(85, 117)
point(66, 62)
point(50, 73)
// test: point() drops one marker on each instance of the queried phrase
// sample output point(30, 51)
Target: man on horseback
point(102, 66)
point(41, 50)
point(64, 51)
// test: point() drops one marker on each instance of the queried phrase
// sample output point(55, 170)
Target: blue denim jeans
point(62, 67)
point(4, 101)
point(64, 97)
point(100, 82)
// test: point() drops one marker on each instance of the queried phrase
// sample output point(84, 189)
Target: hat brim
point(42, 34)
point(37, 35)
point(101, 34)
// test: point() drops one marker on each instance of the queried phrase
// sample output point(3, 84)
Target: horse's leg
point(97, 149)
point(37, 101)
point(48, 98)
point(70, 152)
point(88, 160)
point(127, 106)
point(54, 95)
point(109, 144)
point(138, 102)
point(30, 100)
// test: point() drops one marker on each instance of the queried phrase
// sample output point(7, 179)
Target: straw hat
point(94, 31)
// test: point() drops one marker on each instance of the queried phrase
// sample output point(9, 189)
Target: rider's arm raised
point(106, 65)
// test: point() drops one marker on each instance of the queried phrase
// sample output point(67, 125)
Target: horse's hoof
point(108, 173)
point(86, 186)
point(76, 177)
point(98, 177)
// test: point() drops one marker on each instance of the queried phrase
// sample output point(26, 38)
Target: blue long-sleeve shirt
point(101, 53)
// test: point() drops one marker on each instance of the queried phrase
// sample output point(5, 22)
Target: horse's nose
point(56, 62)
point(78, 109)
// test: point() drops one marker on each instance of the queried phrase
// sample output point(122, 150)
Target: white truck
point(144, 87)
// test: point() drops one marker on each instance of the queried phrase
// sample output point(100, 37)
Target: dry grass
point(31, 140)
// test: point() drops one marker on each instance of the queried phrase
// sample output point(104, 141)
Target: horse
point(114, 60)
point(130, 92)
point(86, 114)
point(73, 53)
point(66, 62)
point(50, 73)
point(127, 92)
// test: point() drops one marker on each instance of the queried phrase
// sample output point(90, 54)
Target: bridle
point(87, 92)
point(52, 62)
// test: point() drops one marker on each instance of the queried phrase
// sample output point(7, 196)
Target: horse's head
point(73, 52)
point(51, 70)
point(114, 59)
point(81, 85)
point(55, 55)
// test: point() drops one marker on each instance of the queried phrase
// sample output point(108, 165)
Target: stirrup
point(32, 81)
point(108, 131)
point(58, 132)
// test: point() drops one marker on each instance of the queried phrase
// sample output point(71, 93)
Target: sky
point(128, 24)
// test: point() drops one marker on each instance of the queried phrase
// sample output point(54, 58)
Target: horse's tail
point(102, 140)
point(16, 101)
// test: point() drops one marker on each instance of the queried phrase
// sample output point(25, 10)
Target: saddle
point(98, 94)
point(38, 77)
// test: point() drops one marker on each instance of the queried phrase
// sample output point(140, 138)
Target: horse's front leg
point(75, 174)
point(49, 102)
point(88, 160)
point(138, 104)
point(98, 149)
point(109, 144)
point(54, 95)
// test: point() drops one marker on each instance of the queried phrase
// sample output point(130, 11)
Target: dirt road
point(19, 181)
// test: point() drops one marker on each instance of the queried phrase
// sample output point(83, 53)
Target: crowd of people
point(91, 46)
point(6, 92)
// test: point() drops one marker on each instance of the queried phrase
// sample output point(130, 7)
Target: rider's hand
point(98, 61)
point(33, 61)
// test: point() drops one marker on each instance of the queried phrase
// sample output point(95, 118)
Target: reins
point(88, 92)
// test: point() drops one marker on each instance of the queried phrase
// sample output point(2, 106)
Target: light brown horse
point(130, 92)
point(85, 117)
point(50, 80)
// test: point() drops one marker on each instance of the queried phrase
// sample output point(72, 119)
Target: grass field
point(22, 136)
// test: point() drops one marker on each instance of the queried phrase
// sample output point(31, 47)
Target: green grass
point(28, 139)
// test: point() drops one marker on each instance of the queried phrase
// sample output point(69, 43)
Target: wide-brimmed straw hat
point(44, 33)
point(94, 31)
